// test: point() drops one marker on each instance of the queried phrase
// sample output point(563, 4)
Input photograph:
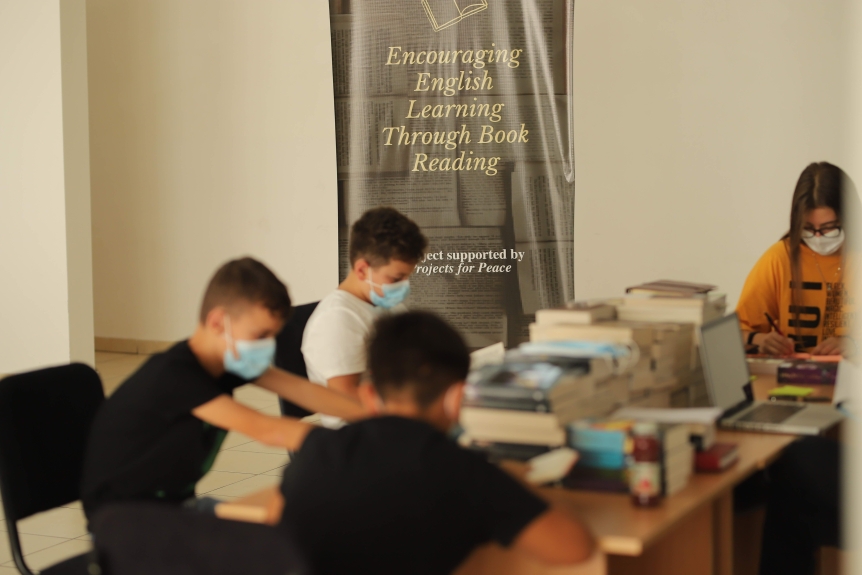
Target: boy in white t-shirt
point(385, 247)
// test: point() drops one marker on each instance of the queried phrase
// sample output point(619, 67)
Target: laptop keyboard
point(768, 413)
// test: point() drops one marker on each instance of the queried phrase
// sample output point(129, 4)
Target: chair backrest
point(45, 419)
point(147, 538)
point(288, 352)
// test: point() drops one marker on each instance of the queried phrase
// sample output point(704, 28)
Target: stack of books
point(677, 457)
point(604, 448)
point(604, 453)
point(670, 288)
point(697, 310)
point(683, 303)
point(663, 372)
point(700, 423)
point(520, 408)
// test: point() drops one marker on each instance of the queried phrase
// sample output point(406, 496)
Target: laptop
point(846, 381)
point(726, 372)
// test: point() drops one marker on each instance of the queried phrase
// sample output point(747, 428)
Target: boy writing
point(159, 433)
point(392, 494)
point(385, 247)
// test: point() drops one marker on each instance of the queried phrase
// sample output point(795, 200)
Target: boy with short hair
point(159, 433)
point(393, 494)
point(385, 247)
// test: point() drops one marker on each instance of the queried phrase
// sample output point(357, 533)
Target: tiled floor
point(242, 467)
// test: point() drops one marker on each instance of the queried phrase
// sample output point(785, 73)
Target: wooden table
point(690, 533)
point(763, 384)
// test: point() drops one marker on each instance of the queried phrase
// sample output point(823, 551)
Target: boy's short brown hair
point(246, 280)
point(384, 234)
point(418, 351)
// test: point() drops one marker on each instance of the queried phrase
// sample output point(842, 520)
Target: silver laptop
point(726, 372)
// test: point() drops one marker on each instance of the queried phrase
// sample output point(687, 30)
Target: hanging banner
point(458, 113)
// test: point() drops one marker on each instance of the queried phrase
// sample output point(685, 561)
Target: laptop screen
point(723, 358)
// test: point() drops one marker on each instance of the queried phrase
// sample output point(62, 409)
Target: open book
point(445, 13)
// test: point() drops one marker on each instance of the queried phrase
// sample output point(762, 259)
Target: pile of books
point(669, 301)
point(708, 454)
point(605, 447)
point(667, 364)
point(520, 408)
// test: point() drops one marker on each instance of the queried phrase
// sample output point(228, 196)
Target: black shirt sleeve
point(502, 506)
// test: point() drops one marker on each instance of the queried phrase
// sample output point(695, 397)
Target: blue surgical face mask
point(393, 294)
point(253, 357)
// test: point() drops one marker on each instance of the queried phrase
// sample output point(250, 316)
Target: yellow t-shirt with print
point(826, 302)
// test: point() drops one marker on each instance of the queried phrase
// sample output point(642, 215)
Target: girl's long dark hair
point(821, 185)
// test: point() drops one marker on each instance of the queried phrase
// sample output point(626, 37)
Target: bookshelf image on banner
point(458, 114)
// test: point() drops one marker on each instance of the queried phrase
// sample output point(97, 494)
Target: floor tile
point(248, 462)
point(52, 555)
point(257, 447)
point(29, 544)
point(121, 367)
point(218, 479)
point(8, 571)
point(103, 357)
point(235, 439)
point(252, 391)
point(60, 522)
point(247, 486)
point(110, 385)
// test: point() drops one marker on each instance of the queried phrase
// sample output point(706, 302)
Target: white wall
point(44, 304)
point(211, 137)
point(693, 121)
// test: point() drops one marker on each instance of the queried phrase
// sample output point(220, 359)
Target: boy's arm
point(313, 397)
point(226, 413)
point(556, 538)
point(346, 384)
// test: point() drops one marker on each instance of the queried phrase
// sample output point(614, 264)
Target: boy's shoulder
point(342, 300)
point(171, 369)
point(341, 307)
point(414, 443)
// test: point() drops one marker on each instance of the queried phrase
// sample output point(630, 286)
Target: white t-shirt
point(334, 340)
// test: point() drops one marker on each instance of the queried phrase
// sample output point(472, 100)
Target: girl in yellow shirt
point(800, 281)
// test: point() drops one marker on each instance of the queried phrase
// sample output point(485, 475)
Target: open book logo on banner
point(445, 13)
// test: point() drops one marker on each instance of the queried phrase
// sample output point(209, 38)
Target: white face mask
point(825, 246)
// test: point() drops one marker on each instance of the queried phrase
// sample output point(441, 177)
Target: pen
point(773, 324)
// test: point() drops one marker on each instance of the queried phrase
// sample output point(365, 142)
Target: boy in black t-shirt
point(159, 433)
point(393, 494)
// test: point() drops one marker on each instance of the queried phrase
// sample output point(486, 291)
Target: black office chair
point(288, 353)
point(147, 539)
point(45, 419)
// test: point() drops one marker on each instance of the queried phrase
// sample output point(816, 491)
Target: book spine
point(597, 440)
point(603, 459)
point(509, 404)
point(811, 375)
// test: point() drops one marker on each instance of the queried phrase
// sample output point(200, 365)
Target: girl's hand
point(834, 346)
point(773, 343)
